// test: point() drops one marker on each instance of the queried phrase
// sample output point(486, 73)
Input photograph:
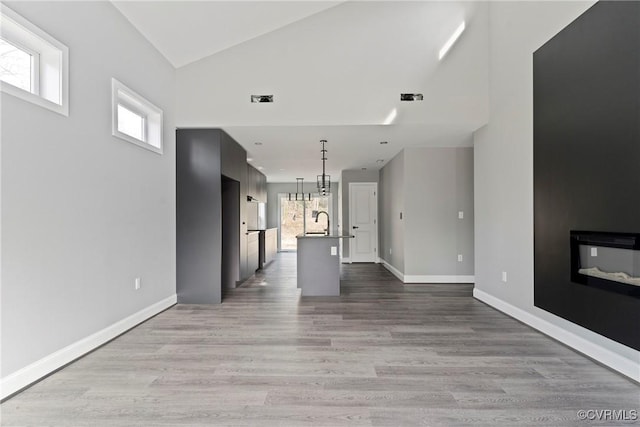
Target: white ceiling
point(336, 70)
point(185, 31)
point(289, 152)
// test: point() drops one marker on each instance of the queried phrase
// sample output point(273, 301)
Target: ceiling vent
point(411, 97)
point(261, 98)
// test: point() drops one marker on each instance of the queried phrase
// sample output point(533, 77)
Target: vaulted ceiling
point(336, 70)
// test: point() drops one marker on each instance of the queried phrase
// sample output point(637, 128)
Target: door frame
point(376, 256)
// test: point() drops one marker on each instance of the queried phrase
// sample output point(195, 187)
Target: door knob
point(355, 226)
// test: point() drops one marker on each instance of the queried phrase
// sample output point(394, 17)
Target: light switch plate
point(594, 251)
point(460, 215)
point(504, 276)
point(334, 250)
point(459, 257)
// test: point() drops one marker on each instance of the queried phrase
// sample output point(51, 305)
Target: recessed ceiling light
point(384, 142)
point(380, 161)
point(260, 167)
point(261, 98)
point(457, 33)
point(257, 143)
point(281, 169)
point(249, 159)
point(411, 97)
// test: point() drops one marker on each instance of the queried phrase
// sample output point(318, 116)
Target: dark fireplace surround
point(586, 162)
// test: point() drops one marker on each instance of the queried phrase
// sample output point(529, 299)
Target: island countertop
point(318, 268)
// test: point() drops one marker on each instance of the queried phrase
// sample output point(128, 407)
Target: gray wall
point(84, 213)
point(347, 177)
point(428, 186)
point(503, 160)
point(391, 203)
point(273, 189)
point(438, 184)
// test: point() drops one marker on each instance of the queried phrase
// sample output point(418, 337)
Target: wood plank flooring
point(381, 354)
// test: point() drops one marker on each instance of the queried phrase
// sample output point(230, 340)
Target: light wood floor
point(382, 354)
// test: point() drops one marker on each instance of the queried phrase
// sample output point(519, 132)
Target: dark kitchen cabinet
point(256, 184)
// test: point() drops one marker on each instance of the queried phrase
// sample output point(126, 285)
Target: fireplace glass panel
point(608, 261)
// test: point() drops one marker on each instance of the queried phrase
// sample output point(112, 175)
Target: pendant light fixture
point(324, 180)
point(300, 195)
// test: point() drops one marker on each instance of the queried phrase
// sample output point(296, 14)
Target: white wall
point(306, 64)
point(84, 213)
point(504, 175)
point(428, 186)
point(438, 184)
point(391, 202)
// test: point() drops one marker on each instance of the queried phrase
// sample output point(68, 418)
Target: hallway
point(381, 354)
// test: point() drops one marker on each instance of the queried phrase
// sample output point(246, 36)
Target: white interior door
point(363, 221)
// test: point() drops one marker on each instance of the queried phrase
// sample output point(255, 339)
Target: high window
point(33, 65)
point(135, 119)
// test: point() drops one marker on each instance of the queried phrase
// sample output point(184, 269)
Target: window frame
point(152, 117)
point(34, 65)
point(50, 63)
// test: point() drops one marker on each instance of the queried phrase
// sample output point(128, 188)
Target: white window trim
point(63, 84)
point(138, 105)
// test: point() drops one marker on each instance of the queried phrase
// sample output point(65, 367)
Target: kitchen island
point(319, 264)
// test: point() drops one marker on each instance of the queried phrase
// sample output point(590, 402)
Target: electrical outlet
point(504, 276)
point(137, 283)
point(334, 250)
point(594, 251)
point(459, 257)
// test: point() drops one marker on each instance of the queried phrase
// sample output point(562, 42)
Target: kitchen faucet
point(328, 222)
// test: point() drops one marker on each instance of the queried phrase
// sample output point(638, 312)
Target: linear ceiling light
point(454, 37)
point(300, 195)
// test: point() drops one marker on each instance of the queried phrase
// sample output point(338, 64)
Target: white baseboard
point(22, 378)
point(392, 269)
point(345, 260)
point(608, 358)
point(438, 279)
point(406, 278)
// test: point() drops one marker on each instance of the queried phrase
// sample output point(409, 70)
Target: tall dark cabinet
point(198, 216)
point(205, 160)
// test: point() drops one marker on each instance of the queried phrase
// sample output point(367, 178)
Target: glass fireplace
point(606, 260)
